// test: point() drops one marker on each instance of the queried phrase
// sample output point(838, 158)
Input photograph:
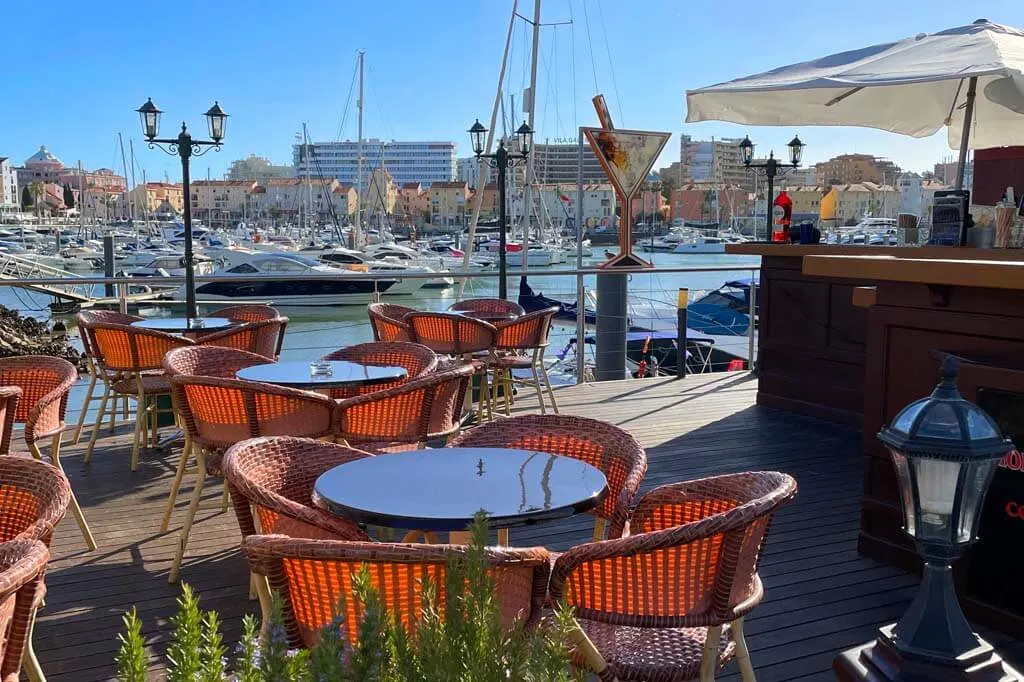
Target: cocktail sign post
point(627, 157)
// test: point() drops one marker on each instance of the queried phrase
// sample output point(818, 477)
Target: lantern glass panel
point(936, 491)
point(905, 419)
point(980, 426)
point(940, 421)
point(906, 491)
point(977, 476)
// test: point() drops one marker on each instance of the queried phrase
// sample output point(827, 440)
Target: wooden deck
point(821, 596)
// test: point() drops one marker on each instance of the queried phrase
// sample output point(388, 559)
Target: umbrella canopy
point(915, 87)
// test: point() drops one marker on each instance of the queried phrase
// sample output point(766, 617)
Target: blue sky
point(74, 75)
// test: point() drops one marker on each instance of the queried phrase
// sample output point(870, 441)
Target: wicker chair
point(84, 319)
point(9, 397)
point(273, 477)
point(312, 575)
point(248, 312)
point(407, 416)
point(388, 321)
point(667, 602)
point(22, 566)
point(45, 382)
point(497, 306)
point(262, 338)
point(459, 336)
point(520, 344)
point(217, 413)
point(126, 357)
point(416, 359)
point(607, 447)
point(34, 497)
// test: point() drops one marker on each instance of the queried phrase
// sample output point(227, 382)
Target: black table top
point(300, 375)
point(441, 489)
point(179, 325)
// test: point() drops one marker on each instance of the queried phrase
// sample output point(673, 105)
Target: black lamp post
point(945, 451)
point(185, 147)
point(770, 168)
point(502, 159)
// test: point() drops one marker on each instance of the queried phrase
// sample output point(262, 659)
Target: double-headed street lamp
point(771, 168)
point(502, 159)
point(185, 147)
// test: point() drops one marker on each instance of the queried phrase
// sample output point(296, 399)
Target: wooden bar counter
point(853, 334)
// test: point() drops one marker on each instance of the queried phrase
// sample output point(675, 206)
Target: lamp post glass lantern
point(185, 146)
point(502, 159)
point(770, 168)
point(945, 451)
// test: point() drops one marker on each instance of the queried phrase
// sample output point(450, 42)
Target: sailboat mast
point(81, 202)
point(124, 165)
point(531, 110)
point(357, 236)
point(309, 179)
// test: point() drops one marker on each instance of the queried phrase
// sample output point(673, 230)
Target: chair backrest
point(262, 338)
point(526, 332)
point(247, 312)
point(33, 498)
point(388, 321)
point(690, 560)
point(605, 446)
point(45, 382)
point(275, 477)
point(412, 413)
point(87, 317)
point(22, 565)
point(416, 359)
point(488, 305)
point(451, 334)
point(123, 348)
point(312, 575)
point(9, 397)
point(209, 361)
point(219, 412)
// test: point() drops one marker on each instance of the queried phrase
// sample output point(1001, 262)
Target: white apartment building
point(221, 197)
point(717, 161)
point(423, 162)
point(909, 187)
point(467, 170)
point(10, 193)
point(559, 163)
point(558, 203)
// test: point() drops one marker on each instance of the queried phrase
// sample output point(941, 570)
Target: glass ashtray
point(320, 368)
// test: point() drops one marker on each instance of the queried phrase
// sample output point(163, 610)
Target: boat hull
point(310, 293)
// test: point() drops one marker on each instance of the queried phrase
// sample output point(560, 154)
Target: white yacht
point(172, 265)
point(349, 259)
point(701, 244)
point(289, 279)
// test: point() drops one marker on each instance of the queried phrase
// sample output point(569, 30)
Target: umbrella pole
point(972, 86)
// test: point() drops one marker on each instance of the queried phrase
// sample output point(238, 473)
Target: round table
point(184, 325)
point(300, 375)
point(442, 489)
point(486, 315)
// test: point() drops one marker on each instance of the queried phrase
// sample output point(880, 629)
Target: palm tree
point(36, 189)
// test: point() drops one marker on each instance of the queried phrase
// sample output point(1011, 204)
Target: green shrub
point(463, 641)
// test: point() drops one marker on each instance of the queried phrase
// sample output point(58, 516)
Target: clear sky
point(74, 73)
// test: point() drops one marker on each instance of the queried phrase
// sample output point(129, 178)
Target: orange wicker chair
point(218, 412)
point(34, 497)
point(406, 416)
point(498, 306)
point(273, 477)
point(84, 319)
point(263, 338)
point(312, 575)
point(22, 566)
point(520, 345)
point(459, 336)
point(45, 382)
point(416, 359)
point(667, 602)
point(248, 312)
point(9, 397)
point(388, 321)
point(127, 357)
point(607, 447)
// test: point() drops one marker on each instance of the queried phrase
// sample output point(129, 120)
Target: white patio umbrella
point(969, 79)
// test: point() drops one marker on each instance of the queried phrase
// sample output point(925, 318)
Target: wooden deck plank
point(821, 596)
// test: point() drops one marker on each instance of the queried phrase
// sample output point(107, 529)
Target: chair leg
point(73, 504)
point(503, 537)
point(590, 655)
point(98, 424)
point(140, 425)
point(186, 452)
point(547, 382)
point(29, 662)
point(89, 397)
point(599, 529)
point(536, 386)
point(193, 506)
point(709, 659)
point(742, 652)
point(225, 498)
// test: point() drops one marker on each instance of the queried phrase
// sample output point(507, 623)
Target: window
point(243, 269)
